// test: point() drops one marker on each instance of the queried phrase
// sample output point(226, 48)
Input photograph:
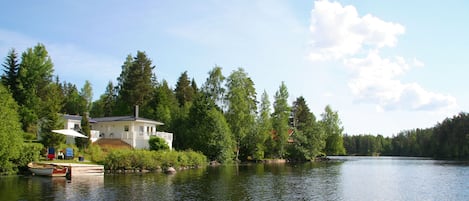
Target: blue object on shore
point(68, 153)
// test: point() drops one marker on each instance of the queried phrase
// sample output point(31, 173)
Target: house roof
point(76, 118)
point(126, 118)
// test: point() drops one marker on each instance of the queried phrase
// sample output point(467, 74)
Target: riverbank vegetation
point(224, 119)
point(144, 160)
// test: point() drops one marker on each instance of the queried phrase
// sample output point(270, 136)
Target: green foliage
point(242, 106)
point(11, 65)
point(85, 130)
point(11, 135)
point(135, 85)
point(209, 131)
point(34, 78)
point(280, 121)
point(104, 107)
point(184, 92)
point(451, 137)
point(86, 95)
point(96, 153)
point(50, 118)
point(29, 152)
point(73, 103)
point(153, 160)
point(214, 86)
point(309, 137)
point(157, 143)
point(263, 136)
point(163, 106)
point(332, 127)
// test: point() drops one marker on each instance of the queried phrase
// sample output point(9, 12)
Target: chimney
point(136, 111)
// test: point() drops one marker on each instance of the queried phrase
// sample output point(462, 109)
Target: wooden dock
point(78, 169)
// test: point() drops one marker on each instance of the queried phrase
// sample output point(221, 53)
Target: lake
point(348, 178)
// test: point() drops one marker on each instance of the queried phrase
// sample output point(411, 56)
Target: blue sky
point(385, 66)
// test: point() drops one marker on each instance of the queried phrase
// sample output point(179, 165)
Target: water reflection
point(353, 178)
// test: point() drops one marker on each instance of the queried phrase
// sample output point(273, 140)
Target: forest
point(448, 139)
point(224, 118)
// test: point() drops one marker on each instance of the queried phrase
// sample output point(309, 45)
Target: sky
point(384, 66)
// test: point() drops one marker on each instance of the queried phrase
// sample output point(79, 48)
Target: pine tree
point(11, 65)
point(184, 91)
point(135, 82)
point(309, 138)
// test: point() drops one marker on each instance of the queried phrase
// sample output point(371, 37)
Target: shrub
point(157, 143)
point(152, 160)
point(96, 153)
point(30, 152)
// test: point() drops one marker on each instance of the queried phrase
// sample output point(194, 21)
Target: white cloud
point(418, 63)
point(338, 31)
point(375, 80)
point(340, 34)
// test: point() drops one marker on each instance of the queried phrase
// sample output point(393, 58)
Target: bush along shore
point(128, 161)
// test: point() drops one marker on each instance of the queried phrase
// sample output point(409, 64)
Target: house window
point(126, 128)
point(76, 127)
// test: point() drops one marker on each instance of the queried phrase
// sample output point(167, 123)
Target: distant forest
point(223, 117)
point(448, 139)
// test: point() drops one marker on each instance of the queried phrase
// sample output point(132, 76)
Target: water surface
point(349, 178)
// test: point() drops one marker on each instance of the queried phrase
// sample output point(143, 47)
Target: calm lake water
point(352, 178)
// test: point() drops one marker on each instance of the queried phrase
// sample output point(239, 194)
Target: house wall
point(72, 124)
point(134, 133)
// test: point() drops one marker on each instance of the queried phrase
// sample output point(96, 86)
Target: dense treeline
point(448, 139)
point(222, 118)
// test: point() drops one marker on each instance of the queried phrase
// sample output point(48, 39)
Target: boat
point(51, 170)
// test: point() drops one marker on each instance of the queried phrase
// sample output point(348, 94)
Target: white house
point(133, 130)
point(73, 122)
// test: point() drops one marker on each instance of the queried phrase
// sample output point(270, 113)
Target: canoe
point(44, 169)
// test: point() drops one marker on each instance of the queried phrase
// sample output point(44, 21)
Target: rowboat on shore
point(51, 170)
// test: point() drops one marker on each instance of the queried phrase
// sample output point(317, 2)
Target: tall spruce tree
point(135, 83)
point(11, 65)
point(309, 138)
point(184, 90)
